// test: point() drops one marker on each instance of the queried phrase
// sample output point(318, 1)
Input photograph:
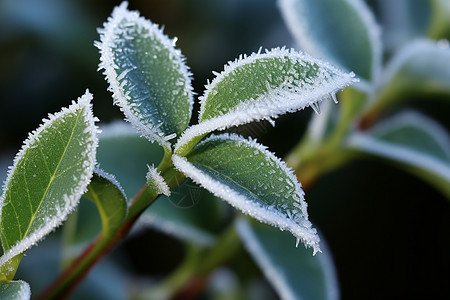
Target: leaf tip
point(155, 180)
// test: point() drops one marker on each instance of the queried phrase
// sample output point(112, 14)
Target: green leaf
point(403, 21)
point(293, 272)
point(343, 32)
point(49, 175)
point(252, 179)
point(190, 213)
point(419, 144)
point(263, 87)
point(420, 68)
point(106, 192)
point(148, 77)
point(15, 290)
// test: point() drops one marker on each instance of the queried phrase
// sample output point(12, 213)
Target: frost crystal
point(301, 18)
point(48, 217)
point(288, 89)
point(291, 215)
point(124, 46)
point(155, 180)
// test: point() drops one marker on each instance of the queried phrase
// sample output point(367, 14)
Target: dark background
point(389, 232)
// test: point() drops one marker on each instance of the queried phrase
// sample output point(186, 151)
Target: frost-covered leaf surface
point(413, 140)
point(107, 194)
point(147, 75)
point(15, 290)
point(293, 272)
point(190, 213)
point(420, 67)
point(343, 32)
point(252, 179)
point(49, 175)
point(264, 86)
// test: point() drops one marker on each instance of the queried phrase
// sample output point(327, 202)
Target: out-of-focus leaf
point(420, 68)
point(190, 213)
point(252, 179)
point(15, 290)
point(419, 144)
point(122, 152)
point(148, 77)
point(403, 20)
point(49, 175)
point(293, 272)
point(263, 86)
point(343, 32)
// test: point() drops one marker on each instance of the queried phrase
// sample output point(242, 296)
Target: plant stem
point(102, 245)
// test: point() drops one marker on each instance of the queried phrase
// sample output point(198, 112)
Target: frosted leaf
point(343, 32)
point(148, 77)
point(109, 197)
point(293, 272)
point(155, 180)
point(61, 152)
point(15, 290)
point(264, 86)
point(252, 179)
point(413, 140)
point(420, 67)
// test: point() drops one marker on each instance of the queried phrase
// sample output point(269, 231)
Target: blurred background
point(389, 232)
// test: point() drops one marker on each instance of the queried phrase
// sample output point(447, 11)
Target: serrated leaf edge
point(303, 232)
point(148, 130)
point(71, 201)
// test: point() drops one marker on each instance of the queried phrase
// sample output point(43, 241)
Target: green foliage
point(49, 175)
point(176, 185)
point(15, 290)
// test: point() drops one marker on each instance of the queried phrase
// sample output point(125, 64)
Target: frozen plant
point(151, 84)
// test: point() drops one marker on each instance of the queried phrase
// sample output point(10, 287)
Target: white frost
point(155, 180)
point(299, 226)
point(71, 199)
point(286, 98)
point(23, 293)
point(111, 178)
point(274, 272)
point(301, 29)
point(108, 38)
